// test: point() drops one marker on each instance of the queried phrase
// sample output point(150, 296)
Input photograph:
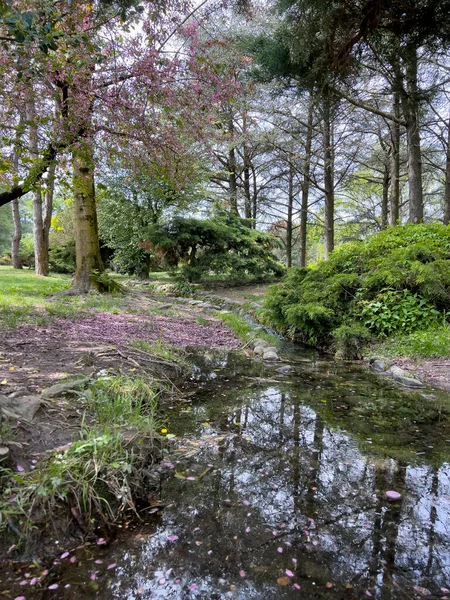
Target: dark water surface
point(278, 491)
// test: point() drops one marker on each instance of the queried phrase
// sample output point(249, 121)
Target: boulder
point(262, 343)
point(270, 355)
point(404, 377)
point(379, 366)
point(260, 350)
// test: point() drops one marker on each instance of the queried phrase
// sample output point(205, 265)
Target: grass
point(244, 330)
point(433, 342)
point(26, 298)
point(101, 476)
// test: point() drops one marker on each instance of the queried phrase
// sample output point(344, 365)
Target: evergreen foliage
point(397, 280)
point(223, 247)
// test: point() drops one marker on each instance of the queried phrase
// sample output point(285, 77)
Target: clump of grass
point(244, 330)
point(103, 474)
point(119, 401)
point(433, 342)
point(96, 479)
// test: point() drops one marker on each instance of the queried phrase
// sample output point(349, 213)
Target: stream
point(276, 489)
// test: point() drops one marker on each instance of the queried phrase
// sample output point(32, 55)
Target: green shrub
point(62, 258)
point(397, 280)
point(394, 310)
point(349, 341)
point(224, 247)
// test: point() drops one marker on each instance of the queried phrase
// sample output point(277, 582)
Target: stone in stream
point(260, 342)
point(270, 355)
point(285, 369)
point(393, 496)
point(404, 377)
point(379, 365)
point(260, 350)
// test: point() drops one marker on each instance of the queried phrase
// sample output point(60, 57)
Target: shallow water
point(278, 491)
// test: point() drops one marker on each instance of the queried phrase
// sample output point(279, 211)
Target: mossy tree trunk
point(88, 257)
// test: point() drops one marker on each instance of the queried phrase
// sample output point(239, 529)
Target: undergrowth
point(395, 282)
point(433, 342)
point(244, 330)
point(102, 474)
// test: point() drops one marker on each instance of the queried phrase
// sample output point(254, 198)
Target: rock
point(285, 369)
point(4, 453)
point(403, 377)
point(23, 408)
point(393, 496)
point(429, 396)
point(260, 350)
point(272, 349)
point(379, 366)
point(262, 343)
point(270, 355)
point(60, 388)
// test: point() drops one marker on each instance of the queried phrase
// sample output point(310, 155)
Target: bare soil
point(435, 372)
point(33, 358)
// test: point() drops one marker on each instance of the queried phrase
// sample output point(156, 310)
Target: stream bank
point(278, 490)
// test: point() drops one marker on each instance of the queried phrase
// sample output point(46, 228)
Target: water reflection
point(287, 504)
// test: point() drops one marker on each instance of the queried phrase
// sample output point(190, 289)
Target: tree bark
point(17, 236)
point(328, 175)
point(88, 257)
point(247, 164)
point(394, 198)
point(385, 198)
point(254, 197)
point(305, 187)
point(289, 223)
point(412, 104)
point(446, 219)
point(40, 250)
point(232, 177)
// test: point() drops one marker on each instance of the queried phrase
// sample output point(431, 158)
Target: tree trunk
point(446, 219)
point(305, 187)
point(328, 176)
point(289, 224)
point(86, 231)
point(254, 197)
point(248, 199)
point(40, 246)
point(15, 246)
point(17, 236)
point(385, 198)
point(48, 208)
point(394, 199)
point(412, 102)
point(232, 178)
